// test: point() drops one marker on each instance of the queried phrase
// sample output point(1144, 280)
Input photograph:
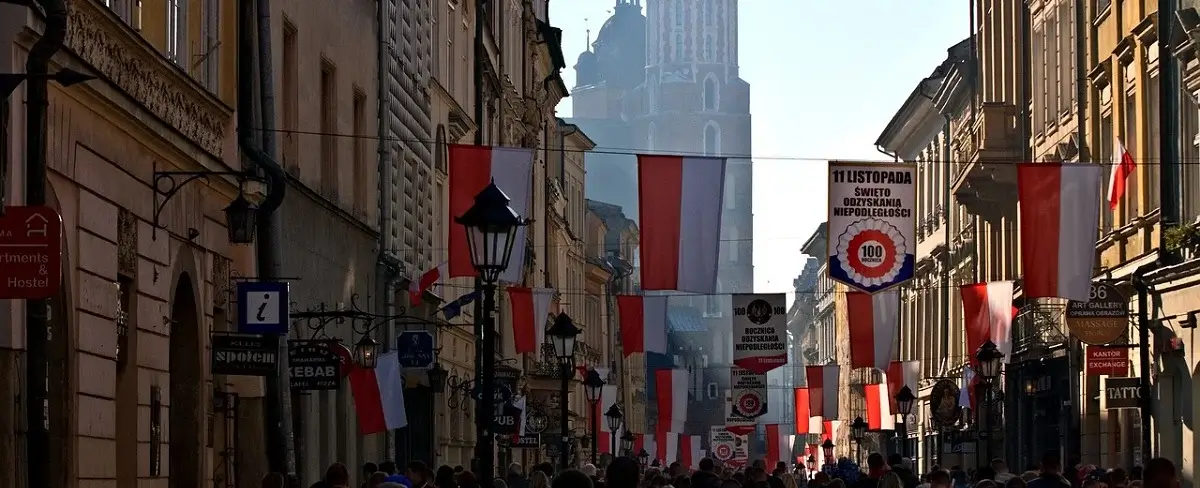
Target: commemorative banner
point(728, 447)
point(734, 422)
point(759, 331)
point(872, 224)
point(749, 392)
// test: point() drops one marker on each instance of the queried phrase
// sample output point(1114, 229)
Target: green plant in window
point(1181, 237)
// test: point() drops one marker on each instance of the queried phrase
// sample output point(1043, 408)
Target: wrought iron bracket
point(167, 184)
point(361, 321)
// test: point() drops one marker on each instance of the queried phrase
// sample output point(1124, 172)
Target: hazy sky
point(825, 78)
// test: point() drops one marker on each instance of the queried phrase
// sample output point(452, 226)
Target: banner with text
point(760, 331)
point(735, 422)
point(727, 446)
point(749, 392)
point(872, 224)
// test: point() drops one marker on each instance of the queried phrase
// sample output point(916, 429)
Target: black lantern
point(827, 447)
point(491, 231)
point(904, 401)
point(366, 352)
point(562, 336)
point(989, 357)
point(858, 429)
point(643, 457)
point(437, 377)
point(627, 441)
point(592, 385)
point(614, 416)
point(964, 415)
point(241, 220)
point(812, 463)
point(1031, 385)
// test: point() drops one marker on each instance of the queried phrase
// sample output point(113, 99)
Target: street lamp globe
point(366, 352)
point(241, 220)
point(437, 377)
point(858, 429)
point(627, 442)
point(904, 401)
point(614, 416)
point(989, 357)
point(491, 227)
point(1031, 385)
point(827, 448)
point(643, 457)
point(592, 386)
point(562, 335)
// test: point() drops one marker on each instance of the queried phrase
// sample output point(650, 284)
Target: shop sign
point(238, 354)
point(1122, 393)
point(314, 364)
point(1109, 361)
point(1102, 319)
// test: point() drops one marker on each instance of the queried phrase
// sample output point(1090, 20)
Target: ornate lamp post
point(562, 335)
point(491, 227)
point(627, 443)
point(592, 387)
point(614, 416)
point(366, 352)
point(904, 405)
point(812, 466)
point(827, 449)
point(643, 458)
point(990, 361)
point(858, 430)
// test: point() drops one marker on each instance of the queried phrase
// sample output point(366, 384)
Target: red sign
point(1111, 361)
point(30, 253)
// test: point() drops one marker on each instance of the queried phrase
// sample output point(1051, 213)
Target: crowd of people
point(625, 472)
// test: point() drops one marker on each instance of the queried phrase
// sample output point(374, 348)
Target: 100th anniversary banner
point(872, 224)
point(759, 331)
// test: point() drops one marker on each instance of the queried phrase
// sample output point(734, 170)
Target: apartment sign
point(872, 224)
point(1122, 393)
point(1102, 319)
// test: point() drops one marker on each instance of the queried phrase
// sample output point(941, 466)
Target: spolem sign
point(872, 224)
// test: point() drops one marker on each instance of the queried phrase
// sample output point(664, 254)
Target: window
point(1189, 129)
point(1039, 80)
point(712, 139)
point(678, 13)
point(730, 184)
point(1050, 83)
point(361, 163)
point(678, 47)
point(329, 152)
point(713, 391)
point(176, 30)
point(734, 244)
point(652, 94)
point(708, 48)
point(290, 79)
point(710, 13)
point(210, 60)
point(1130, 207)
point(711, 95)
point(1105, 155)
point(1066, 57)
point(651, 136)
point(1153, 154)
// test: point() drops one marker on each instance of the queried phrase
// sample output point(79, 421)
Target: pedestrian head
point(467, 479)
point(514, 469)
point(499, 483)
point(940, 479)
point(707, 464)
point(388, 467)
point(418, 472)
point(622, 472)
point(337, 475)
point(1160, 473)
point(890, 480)
point(274, 480)
point(875, 461)
point(999, 466)
point(985, 484)
point(444, 477)
point(377, 478)
point(538, 479)
point(572, 479)
point(369, 469)
point(1016, 482)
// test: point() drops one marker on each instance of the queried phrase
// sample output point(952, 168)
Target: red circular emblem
point(872, 253)
point(748, 404)
point(723, 452)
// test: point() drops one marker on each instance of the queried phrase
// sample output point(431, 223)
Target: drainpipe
point(1170, 201)
point(37, 66)
point(1144, 400)
point(887, 153)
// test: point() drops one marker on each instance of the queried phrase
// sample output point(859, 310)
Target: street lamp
point(643, 458)
point(812, 465)
point(437, 377)
point(858, 429)
point(613, 417)
point(827, 448)
point(491, 226)
point(989, 357)
point(1031, 385)
point(904, 403)
point(562, 336)
point(627, 442)
point(241, 220)
point(64, 77)
point(366, 352)
point(592, 386)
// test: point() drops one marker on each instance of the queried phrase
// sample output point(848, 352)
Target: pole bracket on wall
point(167, 184)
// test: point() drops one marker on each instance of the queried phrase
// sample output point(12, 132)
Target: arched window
point(708, 48)
point(678, 13)
point(711, 94)
point(651, 136)
point(652, 94)
point(678, 48)
point(440, 149)
point(712, 139)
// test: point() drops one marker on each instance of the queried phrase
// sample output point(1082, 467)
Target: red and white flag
point(873, 320)
point(417, 287)
point(988, 315)
point(829, 429)
point(1060, 212)
point(379, 395)
point(1123, 167)
point(879, 407)
point(471, 168)
point(801, 409)
point(779, 445)
point(816, 425)
point(823, 390)
point(679, 202)
point(650, 444)
point(966, 394)
point(671, 388)
point(690, 453)
point(901, 374)
point(668, 446)
point(643, 323)
point(606, 436)
point(530, 307)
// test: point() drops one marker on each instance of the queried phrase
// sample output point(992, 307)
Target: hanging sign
point(1111, 361)
point(237, 354)
point(1102, 319)
point(872, 224)
point(723, 443)
point(528, 441)
point(1122, 393)
point(735, 422)
point(314, 364)
point(760, 331)
point(749, 392)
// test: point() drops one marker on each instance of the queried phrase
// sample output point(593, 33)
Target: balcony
point(985, 177)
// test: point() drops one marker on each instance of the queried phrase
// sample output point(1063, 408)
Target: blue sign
point(263, 307)
point(415, 348)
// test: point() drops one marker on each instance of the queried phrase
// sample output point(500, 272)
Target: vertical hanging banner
point(872, 224)
point(749, 392)
point(759, 331)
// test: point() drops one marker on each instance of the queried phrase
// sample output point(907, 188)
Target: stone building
point(130, 399)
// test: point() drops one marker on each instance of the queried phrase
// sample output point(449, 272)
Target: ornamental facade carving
point(115, 52)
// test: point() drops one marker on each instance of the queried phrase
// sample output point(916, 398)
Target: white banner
point(722, 443)
point(872, 224)
point(760, 331)
point(749, 392)
point(734, 422)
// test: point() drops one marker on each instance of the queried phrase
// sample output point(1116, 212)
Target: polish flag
point(966, 394)
point(690, 453)
point(1123, 167)
point(816, 425)
point(873, 321)
point(680, 202)
point(779, 445)
point(829, 429)
point(671, 388)
point(521, 403)
point(379, 395)
point(668, 446)
point(605, 436)
point(823, 390)
point(879, 409)
point(417, 287)
point(530, 307)
point(1060, 212)
point(988, 314)
point(801, 409)
point(643, 323)
point(471, 168)
point(639, 443)
point(650, 444)
point(901, 374)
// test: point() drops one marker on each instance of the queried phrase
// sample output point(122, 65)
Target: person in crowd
point(681, 481)
point(389, 467)
point(572, 479)
point(876, 468)
point(395, 484)
point(589, 470)
point(1016, 482)
point(1117, 478)
point(1160, 473)
point(889, 480)
point(419, 474)
point(539, 479)
point(622, 472)
point(1050, 475)
point(368, 469)
point(985, 483)
point(837, 483)
point(445, 477)
point(706, 476)
point(377, 478)
point(985, 473)
point(1001, 469)
point(788, 480)
point(467, 479)
point(940, 479)
point(515, 476)
point(459, 469)
point(545, 468)
point(499, 483)
point(1029, 476)
point(274, 480)
point(337, 476)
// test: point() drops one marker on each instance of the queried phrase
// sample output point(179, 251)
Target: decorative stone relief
point(115, 52)
point(127, 234)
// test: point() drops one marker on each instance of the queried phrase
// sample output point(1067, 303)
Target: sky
point(825, 78)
